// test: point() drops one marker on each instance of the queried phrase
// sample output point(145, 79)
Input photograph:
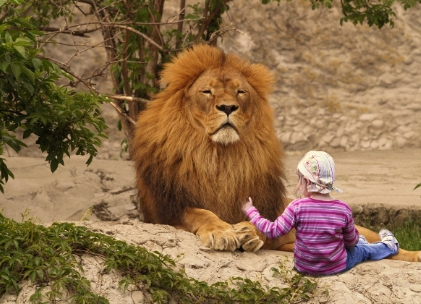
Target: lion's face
point(220, 103)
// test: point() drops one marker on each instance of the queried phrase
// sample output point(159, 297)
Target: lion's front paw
point(248, 237)
point(219, 237)
point(253, 245)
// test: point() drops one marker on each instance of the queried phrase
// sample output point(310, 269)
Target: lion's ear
point(261, 79)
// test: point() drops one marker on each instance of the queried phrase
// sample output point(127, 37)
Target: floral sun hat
point(319, 168)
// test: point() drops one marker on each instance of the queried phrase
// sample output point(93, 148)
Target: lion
point(205, 144)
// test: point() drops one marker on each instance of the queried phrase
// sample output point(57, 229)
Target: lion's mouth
point(224, 126)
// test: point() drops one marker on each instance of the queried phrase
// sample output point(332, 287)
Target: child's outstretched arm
point(280, 226)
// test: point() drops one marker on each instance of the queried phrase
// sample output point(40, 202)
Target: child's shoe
point(389, 239)
point(362, 240)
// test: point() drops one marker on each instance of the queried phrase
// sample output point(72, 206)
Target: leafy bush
point(64, 120)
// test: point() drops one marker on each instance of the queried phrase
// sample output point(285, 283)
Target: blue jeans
point(365, 251)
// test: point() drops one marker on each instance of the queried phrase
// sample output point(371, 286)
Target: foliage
point(47, 256)
point(378, 13)
point(409, 233)
point(63, 119)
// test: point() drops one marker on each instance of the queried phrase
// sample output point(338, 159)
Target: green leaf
point(4, 27)
point(29, 87)
point(2, 2)
point(21, 50)
point(28, 73)
point(16, 70)
point(27, 133)
point(4, 171)
point(54, 165)
point(4, 65)
point(8, 38)
point(34, 119)
point(37, 63)
point(12, 142)
point(23, 41)
point(417, 186)
point(25, 23)
point(89, 161)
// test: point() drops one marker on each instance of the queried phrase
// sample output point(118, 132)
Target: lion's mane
point(178, 166)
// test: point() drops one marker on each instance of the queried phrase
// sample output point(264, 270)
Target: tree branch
point(66, 68)
point(80, 33)
point(181, 22)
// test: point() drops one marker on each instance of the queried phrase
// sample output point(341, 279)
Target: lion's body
point(205, 144)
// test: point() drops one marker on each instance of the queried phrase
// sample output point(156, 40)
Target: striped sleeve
point(281, 226)
point(350, 233)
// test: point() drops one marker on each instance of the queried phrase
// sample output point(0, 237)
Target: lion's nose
point(228, 109)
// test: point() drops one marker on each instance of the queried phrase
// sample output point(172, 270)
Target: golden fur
point(180, 165)
point(205, 144)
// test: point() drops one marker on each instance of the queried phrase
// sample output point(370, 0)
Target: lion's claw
point(247, 236)
point(219, 238)
point(253, 245)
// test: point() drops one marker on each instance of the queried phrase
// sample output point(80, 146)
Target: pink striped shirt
point(323, 230)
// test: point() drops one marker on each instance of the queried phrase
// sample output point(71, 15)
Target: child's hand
point(247, 204)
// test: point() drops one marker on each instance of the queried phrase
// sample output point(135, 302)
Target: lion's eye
point(207, 92)
point(241, 92)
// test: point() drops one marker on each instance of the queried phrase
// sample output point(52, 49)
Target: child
point(327, 241)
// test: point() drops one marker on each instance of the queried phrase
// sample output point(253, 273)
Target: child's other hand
point(247, 204)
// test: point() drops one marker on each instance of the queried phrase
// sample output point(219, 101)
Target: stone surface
point(366, 75)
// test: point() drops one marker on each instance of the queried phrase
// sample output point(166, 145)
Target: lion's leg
point(287, 247)
point(283, 243)
point(403, 255)
point(213, 232)
point(409, 256)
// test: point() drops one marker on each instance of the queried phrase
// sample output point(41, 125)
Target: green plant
point(64, 120)
point(47, 257)
point(408, 234)
point(377, 13)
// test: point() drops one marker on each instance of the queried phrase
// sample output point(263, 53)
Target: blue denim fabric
point(365, 251)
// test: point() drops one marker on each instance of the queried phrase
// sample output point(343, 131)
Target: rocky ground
point(384, 282)
point(372, 181)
